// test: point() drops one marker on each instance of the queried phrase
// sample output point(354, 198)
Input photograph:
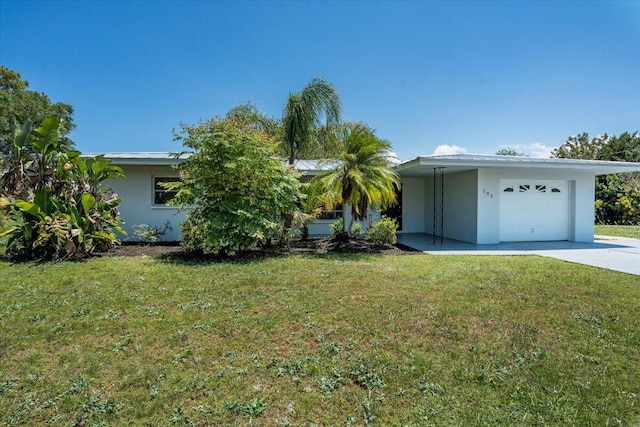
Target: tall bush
point(235, 187)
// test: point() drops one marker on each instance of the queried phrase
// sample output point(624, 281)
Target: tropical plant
point(363, 176)
point(53, 198)
point(304, 112)
point(310, 208)
point(235, 187)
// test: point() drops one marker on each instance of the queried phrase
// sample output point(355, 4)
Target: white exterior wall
point(460, 206)
point(581, 200)
point(136, 192)
point(321, 227)
point(414, 205)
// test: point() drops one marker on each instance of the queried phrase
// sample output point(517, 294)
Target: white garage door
point(534, 210)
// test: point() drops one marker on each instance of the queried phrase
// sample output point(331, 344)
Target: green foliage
point(337, 227)
point(363, 176)
point(617, 196)
point(383, 232)
point(151, 233)
point(310, 207)
point(18, 103)
point(53, 199)
point(356, 229)
point(235, 187)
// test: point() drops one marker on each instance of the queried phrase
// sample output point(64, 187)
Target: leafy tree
point(303, 114)
point(617, 195)
point(363, 176)
point(510, 152)
point(53, 198)
point(234, 185)
point(19, 104)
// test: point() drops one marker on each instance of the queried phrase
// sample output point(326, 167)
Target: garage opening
point(534, 210)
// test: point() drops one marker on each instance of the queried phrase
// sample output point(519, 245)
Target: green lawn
point(632, 231)
point(302, 341)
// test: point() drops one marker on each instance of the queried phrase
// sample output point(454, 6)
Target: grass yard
point(331, 341)
point(632, 231)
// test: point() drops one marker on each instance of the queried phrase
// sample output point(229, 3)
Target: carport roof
point(459, 162)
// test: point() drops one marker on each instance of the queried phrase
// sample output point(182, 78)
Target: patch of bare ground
point(317, 246)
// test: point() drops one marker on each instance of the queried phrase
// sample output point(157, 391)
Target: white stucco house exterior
point(481, 199)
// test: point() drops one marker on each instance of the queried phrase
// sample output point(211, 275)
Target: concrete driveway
point(612, 253)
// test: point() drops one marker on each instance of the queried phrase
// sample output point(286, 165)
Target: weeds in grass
point(366, 375)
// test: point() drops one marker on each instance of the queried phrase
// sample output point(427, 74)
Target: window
point(541, 188)
point(555, 190)
point(336, 213)
point(524, 188)
point(160, 194)
point(508, 189)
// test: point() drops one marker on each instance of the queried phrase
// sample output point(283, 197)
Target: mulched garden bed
point(318, 246)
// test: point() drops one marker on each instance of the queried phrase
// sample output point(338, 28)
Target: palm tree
point(363, 176)
point(304, 113)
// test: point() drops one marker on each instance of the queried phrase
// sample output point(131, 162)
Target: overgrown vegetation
point(53, 201)
point(617, 195)
point(340, 340)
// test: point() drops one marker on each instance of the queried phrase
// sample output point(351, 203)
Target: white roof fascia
point(597, 167)
point(141, 158)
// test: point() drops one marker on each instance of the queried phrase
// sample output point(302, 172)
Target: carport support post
point(438, 205)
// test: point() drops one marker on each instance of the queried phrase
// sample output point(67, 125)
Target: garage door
point(534, 210)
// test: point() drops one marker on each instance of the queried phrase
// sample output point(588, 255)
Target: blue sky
point(428, 76)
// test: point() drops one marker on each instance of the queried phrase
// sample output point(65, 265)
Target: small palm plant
point(310, 208)
point(363, 176)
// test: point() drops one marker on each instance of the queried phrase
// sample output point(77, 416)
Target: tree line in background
point(617, 195)
point(19, 103)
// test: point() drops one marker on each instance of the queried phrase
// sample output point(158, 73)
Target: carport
point(492, 199)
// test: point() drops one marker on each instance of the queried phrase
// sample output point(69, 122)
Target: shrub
point(236, 189)
point(336, 227)
point(356, 229)
point(383, 232)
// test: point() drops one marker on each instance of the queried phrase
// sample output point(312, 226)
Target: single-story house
point(482, 199)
